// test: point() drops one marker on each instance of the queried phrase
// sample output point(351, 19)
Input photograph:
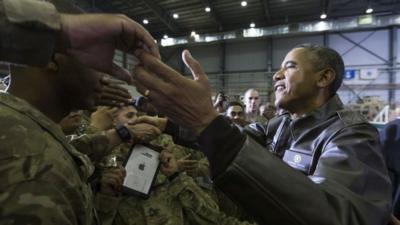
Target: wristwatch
point(123, 133)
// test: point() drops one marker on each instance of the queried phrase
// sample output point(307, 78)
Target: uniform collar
point(26, 109)
point(30, 111)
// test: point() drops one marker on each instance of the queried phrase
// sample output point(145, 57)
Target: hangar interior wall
point(372, 65)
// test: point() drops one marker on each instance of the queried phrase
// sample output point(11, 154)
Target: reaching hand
point(143, 132)
point(219, 100)
point(159, 122)
point(111, 181)
point(93, 39)
point(186, 102)
point(188, 165)
point(169, 164)
point(394, 221)
point(102, 118)
point(112, 94)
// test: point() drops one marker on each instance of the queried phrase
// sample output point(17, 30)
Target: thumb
point(193, 65)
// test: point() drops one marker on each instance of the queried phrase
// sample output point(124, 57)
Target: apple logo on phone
point(141, 166)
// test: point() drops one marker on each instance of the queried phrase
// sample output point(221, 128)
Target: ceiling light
point(193, 33)
point(175, 15)
point(165, 36)
point(252, 25)
point(145, 21)
point(323, 16)
point(369, 10)
point(207, 9)
point(243, 3)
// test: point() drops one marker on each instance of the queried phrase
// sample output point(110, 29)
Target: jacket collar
point(326, 110)
point(317, 116)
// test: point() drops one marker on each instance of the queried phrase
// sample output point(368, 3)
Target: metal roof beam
point(213, 13)
point(90, 6)
point(161, 14)
point(267, 12)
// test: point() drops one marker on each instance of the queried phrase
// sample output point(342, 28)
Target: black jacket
point(390, 138)
point(324, 168)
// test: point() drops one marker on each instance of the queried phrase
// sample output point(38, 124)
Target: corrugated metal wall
point(236, 66)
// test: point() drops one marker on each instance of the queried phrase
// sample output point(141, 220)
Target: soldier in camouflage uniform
point(71, 122)
point(197, 167)
point(44, 178)
point(174, 199)
point(193, 162)
point(226, 205)
point(190, 161)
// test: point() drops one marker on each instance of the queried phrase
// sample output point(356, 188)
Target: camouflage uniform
point(176, 202)
point(179, 151)
point(201, 176)
point(19, 19)
point(84, 126)
point(95, 146)
point(43, 178)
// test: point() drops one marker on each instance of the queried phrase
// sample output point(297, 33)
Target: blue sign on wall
point(349, 74)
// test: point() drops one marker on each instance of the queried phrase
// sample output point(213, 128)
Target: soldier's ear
point(53, 64)
point(326, 78)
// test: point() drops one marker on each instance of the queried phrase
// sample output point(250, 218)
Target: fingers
point(158, 122)
point(144, 80)
point(193, 65)
point(108, 102)
point(147, 119)
point(113, 94)
point(113, 178)
point(121, 73)
point(154, 98)
point(166, 158)
point(102, 118)
point(156, 66)
point(144, 132)
point(139, 87)
point(117, 90)
point(118, 172)
point(149, 42)
point(132, 29)
point(186, 156)
point(189, 163)
point(107, 99)
point(110, 110)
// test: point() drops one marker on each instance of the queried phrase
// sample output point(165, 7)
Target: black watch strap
point(123, 133)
